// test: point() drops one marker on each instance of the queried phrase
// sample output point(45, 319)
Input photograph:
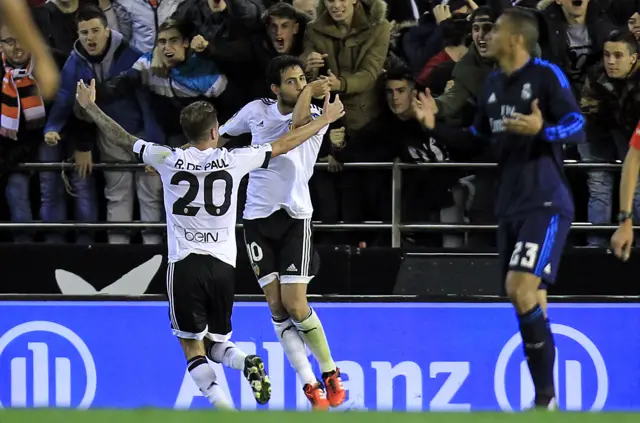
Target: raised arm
point(302, 110)
point(86, 97)
point(331, 113)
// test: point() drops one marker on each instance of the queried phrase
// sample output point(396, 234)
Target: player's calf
point(308, 325)
point(522, 290)
point(203, 375)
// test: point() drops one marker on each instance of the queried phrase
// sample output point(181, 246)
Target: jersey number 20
point(182, 205)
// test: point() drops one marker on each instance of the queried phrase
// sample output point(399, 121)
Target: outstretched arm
point(86, 97)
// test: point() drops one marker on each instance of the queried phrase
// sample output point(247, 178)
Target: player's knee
point(192, 348)
point(522, 289)
point(297, 308)
point(276, 307)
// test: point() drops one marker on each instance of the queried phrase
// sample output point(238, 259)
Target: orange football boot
point(316, 396)
point(333, 385)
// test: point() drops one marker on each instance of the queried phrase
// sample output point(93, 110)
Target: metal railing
point(396, 226)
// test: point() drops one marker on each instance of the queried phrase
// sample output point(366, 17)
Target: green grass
point(166, 416)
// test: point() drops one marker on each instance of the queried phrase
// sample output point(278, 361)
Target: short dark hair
point(86, 13)
point(524, 23)
point(483, 11)
point(176, 24)
point(197, 119)
point(626, 37)
point(455, 31)
point(278, 65)
point(399, 73)
point(283, 11)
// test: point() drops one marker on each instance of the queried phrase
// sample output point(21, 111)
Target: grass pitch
point(168, 416)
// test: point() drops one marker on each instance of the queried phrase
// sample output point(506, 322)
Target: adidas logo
point(261, 124)
point(292, 268)
point(492, 98)
point(547, 269)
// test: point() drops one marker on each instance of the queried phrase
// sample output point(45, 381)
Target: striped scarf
point(20, 94)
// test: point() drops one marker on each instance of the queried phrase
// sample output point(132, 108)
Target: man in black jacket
point(611, 103)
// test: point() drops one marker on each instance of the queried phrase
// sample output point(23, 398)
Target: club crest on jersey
point(526, 91)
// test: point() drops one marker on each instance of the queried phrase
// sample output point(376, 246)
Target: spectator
point(626, 12)
point(23, 115)
point(427, 195)
point(611, 103)
point(140, 20)
point(424, 41)
point(285, 27)
point(458, 104)
point(348, 45)
point(101, 53)
point(228, 27)
point(188, 78)
point(455, 32)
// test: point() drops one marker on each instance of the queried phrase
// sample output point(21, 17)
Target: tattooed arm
point(86, 97)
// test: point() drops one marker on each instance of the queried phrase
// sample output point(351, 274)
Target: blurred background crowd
point(150, 58)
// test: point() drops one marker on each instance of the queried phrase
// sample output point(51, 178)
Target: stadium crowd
point(151, 58)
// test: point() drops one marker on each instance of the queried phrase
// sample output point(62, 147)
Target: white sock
point(312, 333)
point(227, 353)
point(295, 349)
point(205, 379)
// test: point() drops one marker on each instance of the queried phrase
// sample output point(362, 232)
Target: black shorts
point(200, 290)
point(280, 246)
point(533, 244)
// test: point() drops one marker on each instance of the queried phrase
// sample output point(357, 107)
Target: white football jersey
point(285, 183)
point(201, 195)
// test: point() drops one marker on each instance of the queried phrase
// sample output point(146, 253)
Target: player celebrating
point(200, 194)
point(277, 224)
point(528, 111)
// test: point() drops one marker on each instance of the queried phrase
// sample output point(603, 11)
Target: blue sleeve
point(481, 127)
point(563, 121)
point(152, 130)
point(65, 98)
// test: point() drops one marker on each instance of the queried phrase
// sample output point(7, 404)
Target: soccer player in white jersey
point(277, 224)
point(200, 193)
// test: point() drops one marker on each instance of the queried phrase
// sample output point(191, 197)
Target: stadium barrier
point(393, 355)
point(396, 226)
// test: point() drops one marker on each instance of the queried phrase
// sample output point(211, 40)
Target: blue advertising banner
point(409, 356)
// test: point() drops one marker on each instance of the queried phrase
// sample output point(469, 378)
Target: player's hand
point(424, 109)
point(525, 124)
point(51, 138)
point(86, 95)
point(332, 111)
point(315, 61)
point(318, 88)
point(622, 240)
point(199, 44)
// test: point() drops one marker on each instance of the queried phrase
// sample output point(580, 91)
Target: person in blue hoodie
point(101, 53)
